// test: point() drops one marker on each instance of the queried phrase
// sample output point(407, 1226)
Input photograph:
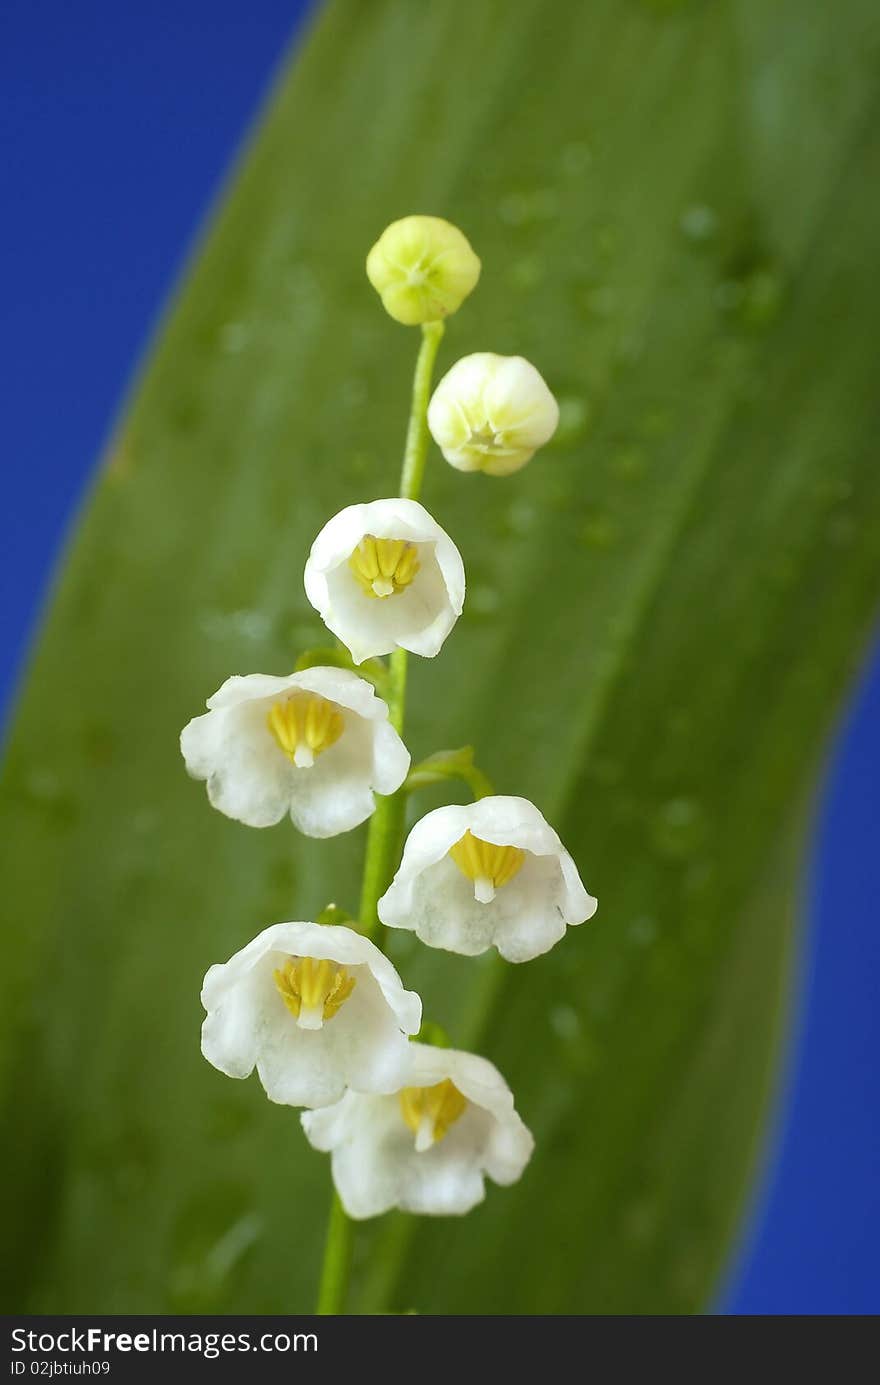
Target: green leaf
point(675, 206)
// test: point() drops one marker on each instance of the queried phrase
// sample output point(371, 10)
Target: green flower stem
point(337, 1261)
point(386, 824)
point(416, 450)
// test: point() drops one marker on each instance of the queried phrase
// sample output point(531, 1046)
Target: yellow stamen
point(430, 1111)
point(488, 865)
point(305, 726)
point(384, 567)
point(313, 989)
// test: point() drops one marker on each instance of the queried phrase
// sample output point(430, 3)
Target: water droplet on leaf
point(521, 207)
point(762, 299)
point(353, 393)
point(841, 530)
point(521, 517)
point(639, 1221)
point(656, 423)
point(630, 462)
point(679, 828)
point(527, 272)
point(234, 337)
point(643, 931)
point(483, 601)
point(600, 301)
point(753, 299)
point(607, 240)
point(566, 1022)
point(230, 625)
point(598, 530)
point(575, 157)
point(605, 770)
point(630, 348)
point(361, 463)
point(574, 418)
point(698, 224)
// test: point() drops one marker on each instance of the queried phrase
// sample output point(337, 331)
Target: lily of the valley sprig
point(315, 1006)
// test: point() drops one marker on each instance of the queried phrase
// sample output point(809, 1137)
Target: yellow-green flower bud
point(423, 268)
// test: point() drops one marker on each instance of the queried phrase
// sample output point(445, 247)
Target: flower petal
point(248, 778)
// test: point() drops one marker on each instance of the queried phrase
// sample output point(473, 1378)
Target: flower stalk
point(337, 1261)
point(416, 450)
point(387, 823)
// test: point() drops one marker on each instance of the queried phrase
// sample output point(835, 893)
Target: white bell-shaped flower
point(316, 745)
point(491, 413)
point(384, 576)
point(315, 1008)
point(428, 1148)
point(487, 873)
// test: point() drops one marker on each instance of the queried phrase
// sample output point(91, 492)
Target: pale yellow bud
point(491, 413)
point(423, 268)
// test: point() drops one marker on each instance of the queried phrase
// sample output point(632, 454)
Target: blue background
point(120, 121)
